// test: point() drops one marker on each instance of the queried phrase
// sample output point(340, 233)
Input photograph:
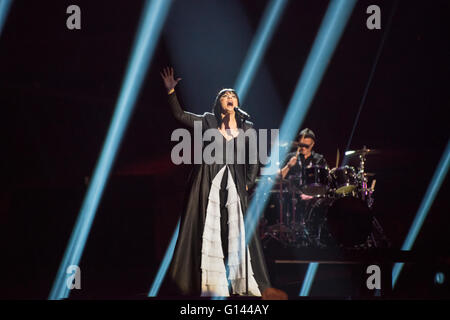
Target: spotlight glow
point(258, 46)
point(439, 278)
point(151, 23)
point(427, 201)
point(5, 5)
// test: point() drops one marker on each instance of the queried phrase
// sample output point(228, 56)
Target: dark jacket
point(314, 159)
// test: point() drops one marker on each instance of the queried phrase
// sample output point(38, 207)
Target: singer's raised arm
point(187, 118)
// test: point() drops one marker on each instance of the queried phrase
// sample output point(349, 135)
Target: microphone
point(244, 115)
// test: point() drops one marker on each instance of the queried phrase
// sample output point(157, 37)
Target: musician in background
point(304, 156)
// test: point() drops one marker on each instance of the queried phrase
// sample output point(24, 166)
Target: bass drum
point(349, 221)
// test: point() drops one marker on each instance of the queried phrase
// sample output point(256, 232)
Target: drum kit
point(322, 207)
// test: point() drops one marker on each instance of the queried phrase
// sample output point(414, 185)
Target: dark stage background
point(58, 89)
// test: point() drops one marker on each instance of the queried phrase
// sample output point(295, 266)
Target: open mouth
point(230, 104)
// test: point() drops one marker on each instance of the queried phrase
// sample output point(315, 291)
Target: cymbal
point(363, 151)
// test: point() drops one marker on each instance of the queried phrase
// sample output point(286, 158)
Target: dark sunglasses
point(302, 145)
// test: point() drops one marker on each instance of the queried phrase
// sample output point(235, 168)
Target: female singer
point(209, 257)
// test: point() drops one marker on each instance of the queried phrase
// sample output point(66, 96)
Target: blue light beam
point(5, 5)
point(150, 26)
point(258, 47)
point(309, 278)
point(165, 264)
point(427, 201)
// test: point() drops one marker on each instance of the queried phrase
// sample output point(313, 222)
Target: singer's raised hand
point(169, 80)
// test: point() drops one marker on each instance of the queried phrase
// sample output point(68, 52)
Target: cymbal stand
point(366, 195)
point(362, 176)
point(370, 198)
point(380, 234)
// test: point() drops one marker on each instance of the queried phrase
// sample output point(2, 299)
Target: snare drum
point(344, 179)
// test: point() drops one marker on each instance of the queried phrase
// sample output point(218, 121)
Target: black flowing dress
point(184, 275)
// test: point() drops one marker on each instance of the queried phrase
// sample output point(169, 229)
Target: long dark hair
point(217, 107)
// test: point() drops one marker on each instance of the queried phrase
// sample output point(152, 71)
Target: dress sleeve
point(187, 118)
point(252, 173)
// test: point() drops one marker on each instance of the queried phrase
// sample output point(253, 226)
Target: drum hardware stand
point(366, 194)
point(271, 233)
point(294, 229)
point(284, 233)
point(375, 222)
point(362, 161)
point(320, 202)
point(370, 191)
point(294, 207)
point(281, 235)
point(380, 231)
point(367, 197)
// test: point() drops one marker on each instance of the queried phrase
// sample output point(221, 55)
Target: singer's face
point(228, 101)
point(306, 142)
